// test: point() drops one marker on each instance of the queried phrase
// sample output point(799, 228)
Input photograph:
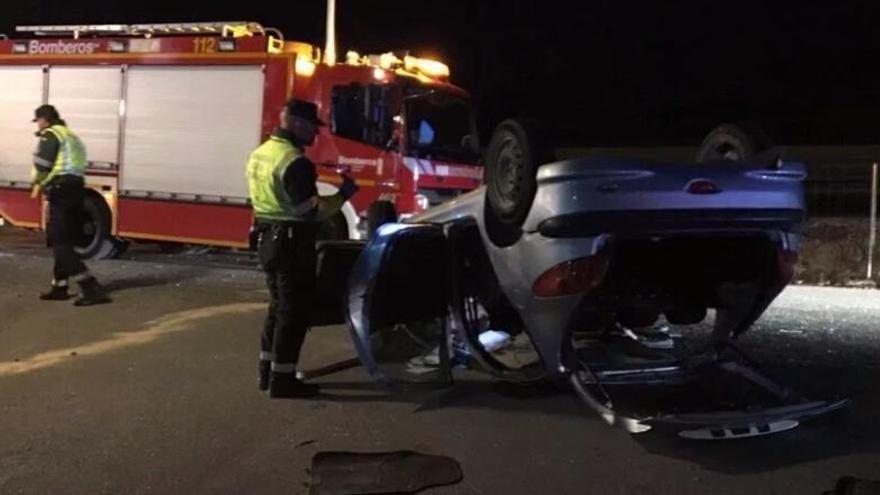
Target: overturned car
point(565, 256)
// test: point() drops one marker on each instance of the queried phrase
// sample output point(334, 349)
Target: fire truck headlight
point(422, 202)
point(361, 229)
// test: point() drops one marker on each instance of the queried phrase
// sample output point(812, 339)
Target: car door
point(397, 306)
point(335, 260)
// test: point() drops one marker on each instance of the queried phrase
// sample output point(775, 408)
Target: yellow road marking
point(172, 323)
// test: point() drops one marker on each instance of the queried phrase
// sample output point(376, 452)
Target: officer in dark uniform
point(287, 211)
point(59, 166)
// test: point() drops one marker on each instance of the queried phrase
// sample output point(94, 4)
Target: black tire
point(516, 150)
point(379, 213)
point(95, 241)
point(733, 142)
point(334, 228)
point(120, 246)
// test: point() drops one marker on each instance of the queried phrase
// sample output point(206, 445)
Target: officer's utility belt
point(278, 223)
point(276, 229)
point(64, 178)
point(60, 181)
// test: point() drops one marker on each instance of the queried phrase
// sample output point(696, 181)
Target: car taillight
point(572, 277)
point(787, 261)
point(702, 186)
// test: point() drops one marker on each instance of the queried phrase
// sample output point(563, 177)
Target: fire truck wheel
point(733, 142)
point(120, 246)
point(334, 228)
point(379, 213)
point(95, 242)
point(516, 150)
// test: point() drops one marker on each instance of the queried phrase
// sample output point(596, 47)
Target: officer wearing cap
point(287, 211)
point(59, 166)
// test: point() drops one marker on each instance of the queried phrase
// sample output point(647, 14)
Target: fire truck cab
point(170, 112)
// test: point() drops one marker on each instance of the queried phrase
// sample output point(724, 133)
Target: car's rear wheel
point(733, 142)
point(516, 150)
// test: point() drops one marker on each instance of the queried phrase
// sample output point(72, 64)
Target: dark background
point(602, 72)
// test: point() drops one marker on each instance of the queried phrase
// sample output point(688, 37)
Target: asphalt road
point(156, 393)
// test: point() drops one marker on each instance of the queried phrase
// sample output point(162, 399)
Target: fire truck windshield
point(440, 126)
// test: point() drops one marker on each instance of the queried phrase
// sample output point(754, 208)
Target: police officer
point(287, 211)
point(59, 165)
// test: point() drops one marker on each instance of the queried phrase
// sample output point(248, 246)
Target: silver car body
point(637, 191)
point(404, 300)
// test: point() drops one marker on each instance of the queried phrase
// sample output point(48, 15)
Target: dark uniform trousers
point(287, 255)
point(66, 194)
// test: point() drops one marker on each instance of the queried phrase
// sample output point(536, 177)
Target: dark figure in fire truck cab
point(59, 165)
point(287, 211)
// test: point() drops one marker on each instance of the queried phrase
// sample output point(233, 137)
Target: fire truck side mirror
point(393, 144)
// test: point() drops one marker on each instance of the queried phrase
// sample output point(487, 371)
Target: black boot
point(91, 293)
point(287, 386)
point(265, 367)
point(56, 293)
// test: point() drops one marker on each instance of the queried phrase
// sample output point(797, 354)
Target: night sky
point(602, 72)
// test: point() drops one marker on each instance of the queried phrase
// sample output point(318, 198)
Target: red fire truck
point(170, 112)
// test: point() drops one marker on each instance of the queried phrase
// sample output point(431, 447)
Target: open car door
point(335, 260)
point(397, 306)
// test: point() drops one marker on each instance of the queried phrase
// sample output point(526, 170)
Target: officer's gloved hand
point(348, 187)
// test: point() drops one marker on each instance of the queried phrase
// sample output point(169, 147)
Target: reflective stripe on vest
point(71, 158)
point(265, 176)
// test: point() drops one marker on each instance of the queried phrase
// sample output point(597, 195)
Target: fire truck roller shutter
point(190, 129)
point(88, 99)
point(21, 90)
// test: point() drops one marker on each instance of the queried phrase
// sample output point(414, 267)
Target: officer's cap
point(305, 110)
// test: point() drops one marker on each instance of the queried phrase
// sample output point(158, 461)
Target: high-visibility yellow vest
point(265, 175)
point(71, 158)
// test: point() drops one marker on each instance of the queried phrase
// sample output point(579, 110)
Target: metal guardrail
point(838, 189)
